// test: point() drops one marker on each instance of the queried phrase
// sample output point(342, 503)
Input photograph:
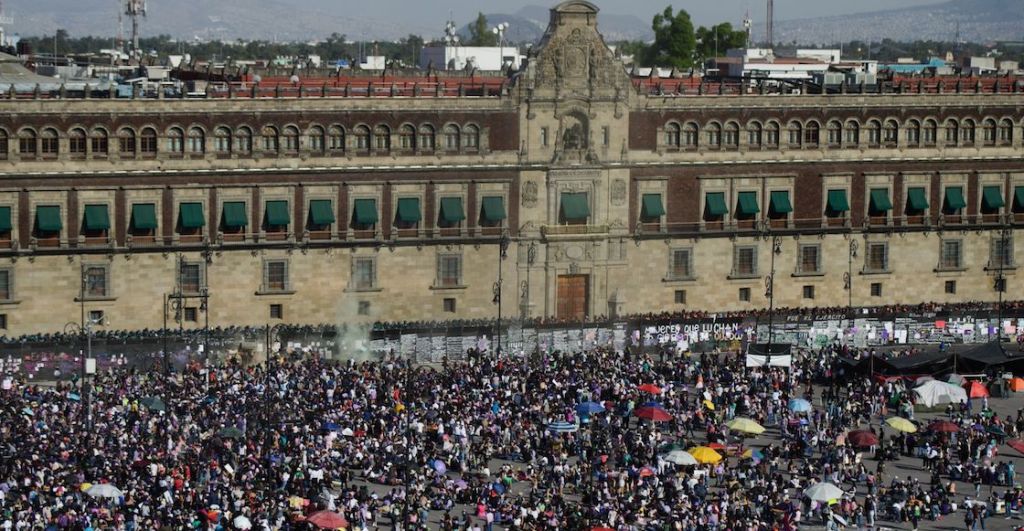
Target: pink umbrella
point(327, 520)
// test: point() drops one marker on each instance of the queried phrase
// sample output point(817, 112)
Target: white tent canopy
point(934, 392)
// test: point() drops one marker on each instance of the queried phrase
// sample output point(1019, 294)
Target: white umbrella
point(824, 492)
point(241, 522)
point(104, 490)
point(347, 432)
point(934, 392)
point(680, 457)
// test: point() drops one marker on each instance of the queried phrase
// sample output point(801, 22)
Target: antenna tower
point(135, 9)
point(770, 22)
point(747, 24)
point(4, 21)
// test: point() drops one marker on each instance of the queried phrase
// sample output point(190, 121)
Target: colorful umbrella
point(751, 453)
point(680, 457)
point(650, 388)
point(589, 408)
point(943, 426)
point(646, 472)
point(824, 492)
point(709, 404)
point(996, 430)
point(153, 403)
point(327, 520)
point(862, 438)
point(745, 425)
point(104, 490)
point(715, 446)
point(1017, 384)
point(653, 414)
point(705, 455)
point(439, 466)
point(1016, 444)
point(976, 389)
point(562, 427)
point(901, 424)
point(799, 405)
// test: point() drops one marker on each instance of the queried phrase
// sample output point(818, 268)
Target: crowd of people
point(486, 442)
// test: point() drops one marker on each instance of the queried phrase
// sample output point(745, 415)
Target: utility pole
point(770, 293)
point(770, 23)
point(502, 255)
point(848, 284)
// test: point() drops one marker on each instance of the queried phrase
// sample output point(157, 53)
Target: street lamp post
point(1000, 284)
point(770, 293)
point(502, 255)
point(86, 331)
point(499, 30)
point(848, 284)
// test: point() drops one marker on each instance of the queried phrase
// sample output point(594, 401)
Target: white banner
point(782, 360)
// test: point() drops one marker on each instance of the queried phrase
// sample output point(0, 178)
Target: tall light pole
point(502, 254)
point(848, 283)
point(499, 30)
point(770, 293)
point(86, 331)
point(1004, 237)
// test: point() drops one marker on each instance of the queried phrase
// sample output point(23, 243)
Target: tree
point(674, 40)
point(718, 39)
point(480, 34)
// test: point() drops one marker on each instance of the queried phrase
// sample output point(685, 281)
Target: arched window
point(796, 134)
point(4, 145)
point(316, 139)
point(471, 137)
point(714, 135)
point(967, 132)
point(382, 138)
point(407, 137)
point(147, 142)
point(988, 132)
point(28, 143)
point(77, 142)
point(852, 132)
point(362, 138)
point(196, 141)
point(874, 129)
point(771, 134)
point(913, 133)
point(952, 132)
point(731, 135)
point(243, 140)
point(336, 139)
point(929, 132)
point(891, 133)
point(426, 137)
point(222, 140)
point(100, 142)
point(452, 138)
point(271, 141)
point(690, 135)
point(812, 134)
point(1005, 132)
point(49, 143)
point(754, 135)
point(126, 142)
point(175, 141)
point(672, 135)
point(835, 133)
point(291, 139)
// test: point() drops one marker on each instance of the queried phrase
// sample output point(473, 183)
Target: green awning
point(451, 209)
point(651, 206)
point(575, 207)
point(714, 204)
point(992, 198)
point(277, 214)
point(837, 202)
point(5, 219)
point(233, 215)
point(747, 204)
point(917, 201)
point(955, 198)
point(880, 200)
point(190, 216)
point(321, 212)
point(144, 216)
point(48, 218)
point(493, 208)
point(409, 210)
point(365, 211)
point(1018, 198)
point(97, 217)
point(780, 203)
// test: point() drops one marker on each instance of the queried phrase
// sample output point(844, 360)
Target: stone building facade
point(393, 204)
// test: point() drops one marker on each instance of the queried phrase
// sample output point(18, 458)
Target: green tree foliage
point(674, 40)
point(718, 39)
point(480, 34)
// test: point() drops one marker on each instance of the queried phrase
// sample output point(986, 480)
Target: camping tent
point(935, 392)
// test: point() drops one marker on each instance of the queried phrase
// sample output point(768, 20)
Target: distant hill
point(979, 20)
point(528, 24)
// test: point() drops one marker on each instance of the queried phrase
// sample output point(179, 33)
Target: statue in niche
point(574, 133)
point(529, 194)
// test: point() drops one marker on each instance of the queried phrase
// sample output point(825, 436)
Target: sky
point(703, 12)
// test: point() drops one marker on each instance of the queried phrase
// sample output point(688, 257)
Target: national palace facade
point(392, 200)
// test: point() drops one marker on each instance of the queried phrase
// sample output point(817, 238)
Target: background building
point(328, 200)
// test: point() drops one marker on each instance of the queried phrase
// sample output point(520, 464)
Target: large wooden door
point(572, 296)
